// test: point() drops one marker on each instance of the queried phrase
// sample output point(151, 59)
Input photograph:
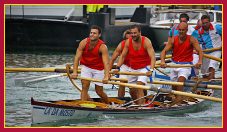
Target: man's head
point(184, 18)
point(183, 29)
point(135, 32)
point(95, 33)
point(126, 34)
point(205, 22)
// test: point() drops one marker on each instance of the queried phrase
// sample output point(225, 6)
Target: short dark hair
point(205, 17)
point(136, 26)
point(97, 27)
point(184, 15)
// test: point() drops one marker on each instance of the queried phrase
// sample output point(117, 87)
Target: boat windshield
point(175, 15)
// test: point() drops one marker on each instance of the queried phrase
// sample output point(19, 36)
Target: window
point(219, 17)
point(211, 14)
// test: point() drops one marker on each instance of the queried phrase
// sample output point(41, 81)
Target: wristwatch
point(117, 67)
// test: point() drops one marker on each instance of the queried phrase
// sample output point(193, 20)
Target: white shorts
point(207, 63)
point(135, 79)
point(124, 68)
point(92, 73)
point(177, 72)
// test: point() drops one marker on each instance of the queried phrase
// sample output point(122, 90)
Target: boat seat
point(80, 103)
point(66, 103)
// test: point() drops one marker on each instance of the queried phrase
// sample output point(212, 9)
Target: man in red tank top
point(182, 47)
point(94, 60)
point(141, 59)
point(125, 66)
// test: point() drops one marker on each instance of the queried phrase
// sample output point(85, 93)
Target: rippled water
point(18, 108)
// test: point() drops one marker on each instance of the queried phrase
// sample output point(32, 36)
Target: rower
point(93, 56)
point(125, 66)
point(182, 46)
point(209, 36)
point(141, 59)
point(174, 31)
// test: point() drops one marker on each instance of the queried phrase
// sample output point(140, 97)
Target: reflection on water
point(18, 108)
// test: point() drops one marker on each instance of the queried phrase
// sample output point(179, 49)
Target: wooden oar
point(187, 84)
point(156, 89)
point(31, 69)
point(166, 61)
point(212, 49)
point(166, 57)
point(176, 66)
point(129, 73)
point(212, 57)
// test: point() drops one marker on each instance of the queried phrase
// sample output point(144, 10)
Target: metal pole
point(10, 11)
point(23, 11)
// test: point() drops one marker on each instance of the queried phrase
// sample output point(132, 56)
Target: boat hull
point(48, 111)
point(41, 114)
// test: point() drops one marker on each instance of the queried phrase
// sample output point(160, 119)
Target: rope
point(153, 98)
point(71, 80)
point(130, 102)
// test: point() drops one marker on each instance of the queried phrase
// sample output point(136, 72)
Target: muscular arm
point(168, 47)
point(195, 44)
point(77, 57)
point(116, 53)
point(150, 51)
point(123, 54)
point(105, 58)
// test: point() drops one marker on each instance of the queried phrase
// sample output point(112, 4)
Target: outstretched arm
point(123, 54)
point(150, 51)
point(163, 53)
point(105, 58)
point(116, 53)
point(77, 57)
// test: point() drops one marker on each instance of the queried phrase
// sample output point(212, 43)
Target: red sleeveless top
point(92, 58)
point(138, 58)
point(126, 61)
point(182, 52)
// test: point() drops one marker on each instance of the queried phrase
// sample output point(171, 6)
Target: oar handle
point(129, 73)
point(212, 49)
point(212, 57)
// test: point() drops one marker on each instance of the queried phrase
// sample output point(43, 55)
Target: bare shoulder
point(103, 47)
point(147, 41)
point(192, 39)
point(119, 47)
point(126, 42)
point(82, 44)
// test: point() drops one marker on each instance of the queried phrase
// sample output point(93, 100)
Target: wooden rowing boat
point(49, 111)
point(159, 103)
